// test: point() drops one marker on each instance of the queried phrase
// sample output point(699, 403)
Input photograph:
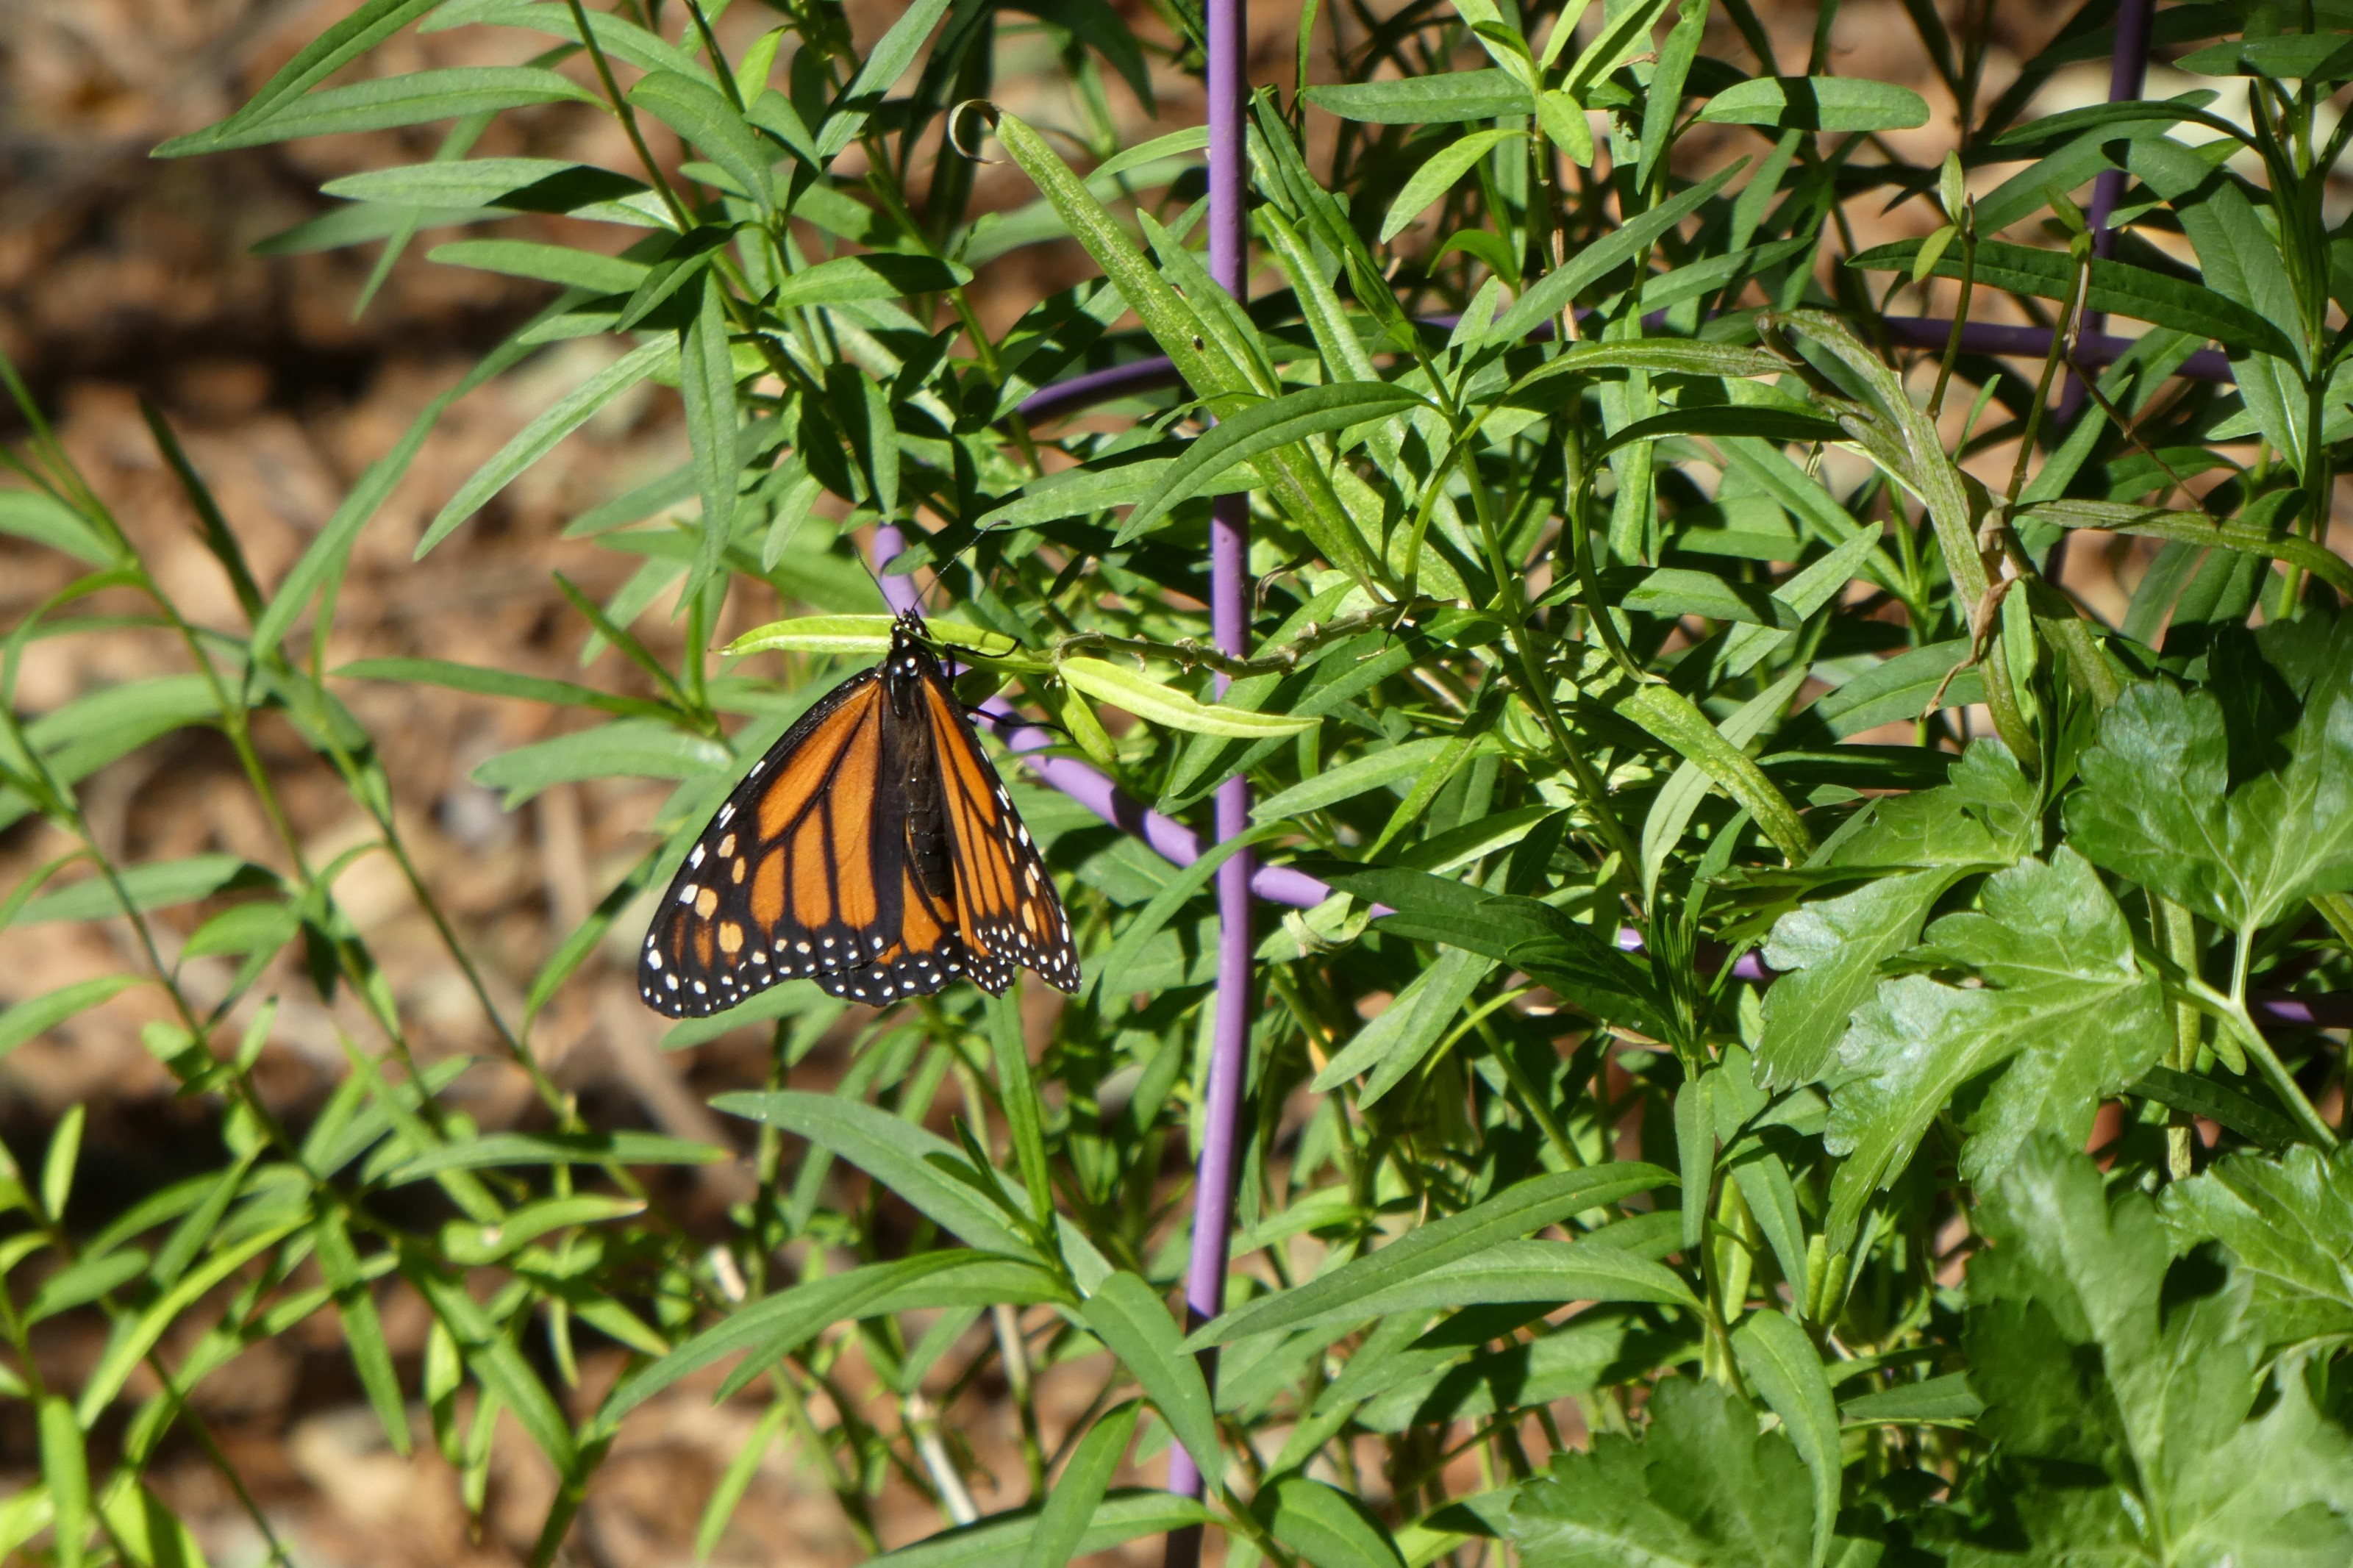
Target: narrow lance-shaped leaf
point(706, 379)
point(1166, 705)
point(1670, 716)
point(388, 102)
point(352, 35)
point(916, 1164)
point(1429, 1249)
point(1780, 1363)
point(64, 1466)
point(1125, 1313)
point(1554, 292)
point(539, 437)
point(1818, 103)
point(1263, 427)
point(1437, 176)
point(1079, 1490)
point(699, 115)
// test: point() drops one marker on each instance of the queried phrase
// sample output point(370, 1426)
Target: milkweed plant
point(1813, 1050)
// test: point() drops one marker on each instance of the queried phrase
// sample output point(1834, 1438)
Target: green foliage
point(1588, 667)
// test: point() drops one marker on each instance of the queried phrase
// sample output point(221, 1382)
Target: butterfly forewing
point(777, 885)
point(872, 849)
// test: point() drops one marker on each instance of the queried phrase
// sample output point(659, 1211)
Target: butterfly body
point(872, 849)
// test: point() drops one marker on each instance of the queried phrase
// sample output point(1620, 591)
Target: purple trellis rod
point(1235, 1000)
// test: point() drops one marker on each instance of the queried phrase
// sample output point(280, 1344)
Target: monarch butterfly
point(874, 850)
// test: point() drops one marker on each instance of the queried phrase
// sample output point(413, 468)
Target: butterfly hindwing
point(1011, 914)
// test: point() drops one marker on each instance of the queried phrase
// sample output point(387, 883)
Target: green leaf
point(2292, 57)
point(632, 748)
point(497, 1363)
point(523, 185)
point(1702, 1489)
point(615, 35)
point(37, 1015)
point(918, 1166)
point(468, 1243)
point(1263, 427)
point(1170, 707)
point(2248, 535)
point(82, 1283)
point(1624, 34)
point(2091, 1360)
point(1432, 1250)
point(129, 1346)
point(884, 65)
point(855, 633)
point(707, 386)
point(1780, 1363)
point(489, 682)
point(1828, 952)
point(563, 264)
point(1671, 716)
point(1324, 1526)
point(2064, 1014)
point(1553, 1272)
point(367, 26)
point(1547, 943)
point(1898, 687)
point(65, 1467)
point(776, 1325)
point(1818, 103)
point(385, 102)
point(1752, 421)
point(2205, 1096)
point(1593, 1348)
point(115, 720)
point(1800, 597)
point(497, 1148)
point(2288, 1222)
point(1134, 1322)
point(45, 519)
point(1384, 766)
point(999, 1543)
point(1111, 975)
point(539, 437)
point(1197, 347)
point(1933, 1402)
point(709, 122)
point(1078, 1493)
point(1681, 796)
point(1395, 1043)
point(1432, 99)
point(2155, 806)
point(1437, 176)
point(2118, 288)
point(1552, 294)
point(324, 559)
point(57, 1165)
point(1674, 592)
point(153, 887)
point(363, 1330)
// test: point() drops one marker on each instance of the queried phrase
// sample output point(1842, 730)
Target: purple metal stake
point(2128, 74)
point(1213, 1184)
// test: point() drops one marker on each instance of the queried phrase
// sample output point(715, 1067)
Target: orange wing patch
point(1009, 911)
point(781, 883)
